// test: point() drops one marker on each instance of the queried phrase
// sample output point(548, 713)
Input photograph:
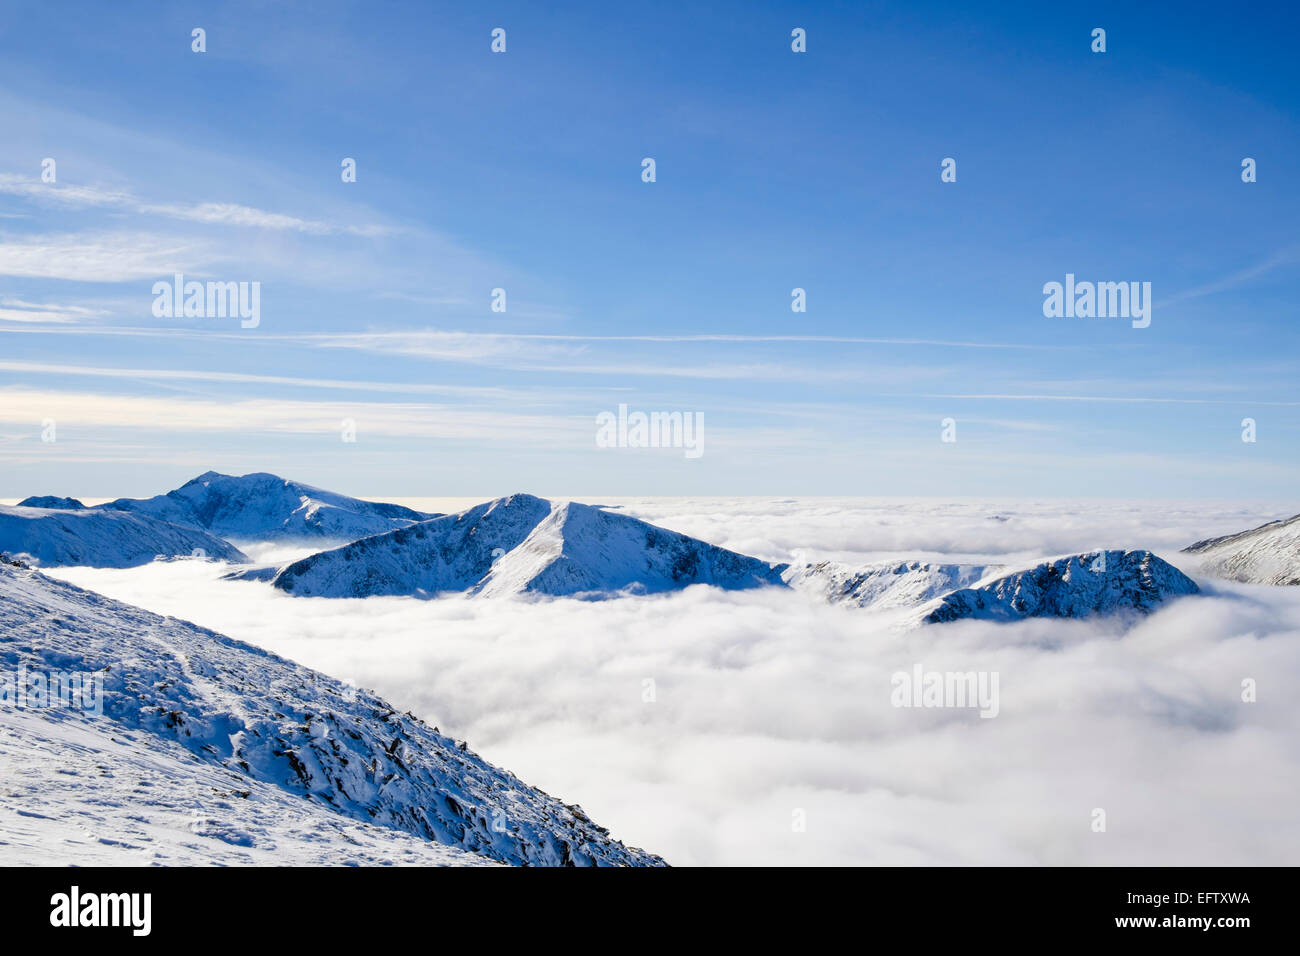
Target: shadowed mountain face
point(208, 703)
point(1081, 585)
point(1269, 554)
point(51, 501)
point(103, 539)
point(260, 507)
point(524, 545)
point(452, 553)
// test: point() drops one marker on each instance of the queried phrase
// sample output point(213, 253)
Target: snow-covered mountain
point(583, 549)
point(51, 501)
point(1269, 554)
point(125, 797)
point(882, 586)
point(102, 539)
point(523, 545)
point(260, 507)
point(1080, 585)
point(249, 736)
point(451, 553)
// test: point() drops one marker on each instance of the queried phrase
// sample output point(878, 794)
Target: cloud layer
point(768, 708)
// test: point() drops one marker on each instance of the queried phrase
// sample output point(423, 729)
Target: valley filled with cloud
point(757, 727)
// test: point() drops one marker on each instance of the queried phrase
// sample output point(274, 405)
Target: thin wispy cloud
point(101, 257)
point(35, 317)
point(922, 297)
point(211, 213)
point(414, 341)
point(1283, 258)
point(18, 310)
point(1118, 399)
point(64, 194)
point(265, 415)
point(534, 394)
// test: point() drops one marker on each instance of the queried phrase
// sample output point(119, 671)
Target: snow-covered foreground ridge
point(282, 728)
point(1269, 554)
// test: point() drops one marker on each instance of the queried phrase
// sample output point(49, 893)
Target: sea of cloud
point(768, 735)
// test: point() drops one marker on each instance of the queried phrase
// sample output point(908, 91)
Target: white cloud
point(242, 378)
point(37, 316)
point(271, 416)
point(99, 257)
point(744, 339)
point(212, 213)
point(1288, 256)
point(32, 313)
point(75, 196)
point(1118, 399)
point(572, 355)
point(233, 214)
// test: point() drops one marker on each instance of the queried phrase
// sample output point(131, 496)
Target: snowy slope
point(261, 724)
point(102, 539)
point(1269, 554)
point(882, 586)
point(523, 544)
point(1081, 585)
point(260, 507)
point(79, 792)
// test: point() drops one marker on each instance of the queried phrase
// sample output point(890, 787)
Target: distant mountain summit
point(51, 501)
point(523, 544)
point(1081, 585)
point(583, 549)
point(103, 539)
point(1269, 554)
point(260, 506)
point(200, 518)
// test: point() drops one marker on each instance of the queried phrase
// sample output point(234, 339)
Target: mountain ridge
point(60, 537)
point(1096, 583)
point(259, 717)
point(522, 544)
point(1268, 554)
point(261, 506)
point(893, 584)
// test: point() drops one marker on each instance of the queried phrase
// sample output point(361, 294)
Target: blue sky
point(775, 170)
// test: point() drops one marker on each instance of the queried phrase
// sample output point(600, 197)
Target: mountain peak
point(523, 544)
point(1075, 586)
point(206, 477)
point(52, 501)
point(519, 499)
point(262, 506)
